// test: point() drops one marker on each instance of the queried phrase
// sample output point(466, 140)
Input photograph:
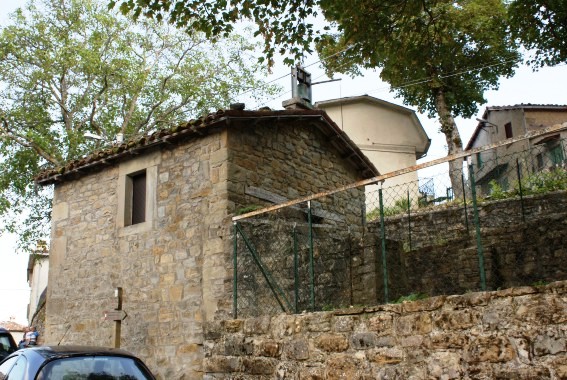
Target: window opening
point(138, 197)
point(508, 129)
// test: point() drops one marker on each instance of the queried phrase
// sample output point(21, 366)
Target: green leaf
point(74, 67)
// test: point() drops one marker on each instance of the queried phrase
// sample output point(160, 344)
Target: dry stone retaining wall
point(509, 334)
point(444, 256)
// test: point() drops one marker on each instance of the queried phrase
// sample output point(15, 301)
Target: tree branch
point(6, 131)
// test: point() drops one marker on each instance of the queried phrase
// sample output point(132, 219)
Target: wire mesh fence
point(298, 258)
point(500, 221)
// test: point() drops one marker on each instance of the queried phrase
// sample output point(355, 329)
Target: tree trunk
point(454, 143)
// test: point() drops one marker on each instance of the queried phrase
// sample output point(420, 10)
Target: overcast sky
point(547, 86)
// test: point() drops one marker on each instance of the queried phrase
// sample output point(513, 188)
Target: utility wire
point(425, 80)
point(407, 84)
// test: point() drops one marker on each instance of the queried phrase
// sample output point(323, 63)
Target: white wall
point(389, 135)
point(38, 282)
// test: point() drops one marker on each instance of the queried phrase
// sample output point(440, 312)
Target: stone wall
point(290, 161)
point(281, 245)
point(175, 269)
point(444, 256)
point(432, 226)
point(509, 334)
point(300, 161)
point(168, 267)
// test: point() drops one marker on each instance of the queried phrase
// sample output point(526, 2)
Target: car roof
point(54, 352)
point(41, 355)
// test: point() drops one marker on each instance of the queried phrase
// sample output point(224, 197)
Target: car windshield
point(94, 368)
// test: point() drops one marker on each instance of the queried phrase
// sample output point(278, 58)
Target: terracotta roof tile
point(12, 326)
point(192, 128)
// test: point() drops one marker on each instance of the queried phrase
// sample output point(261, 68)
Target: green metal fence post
point(350, 256)
point(477, 227)
point(295, 272)
point(383, 238)
point(465, 200)
point(409, 220)
point(235, 274)
point(311, 263)
point(520, 189)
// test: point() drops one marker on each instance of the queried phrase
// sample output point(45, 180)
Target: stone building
point(152, 217)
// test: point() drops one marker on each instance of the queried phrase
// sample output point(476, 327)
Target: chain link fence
point(499, 222)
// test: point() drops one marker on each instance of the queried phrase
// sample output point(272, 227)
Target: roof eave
point(200, 127)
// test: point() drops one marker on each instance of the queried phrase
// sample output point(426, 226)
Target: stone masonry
point(444, 256)
point(508, 334)
point(175, 268)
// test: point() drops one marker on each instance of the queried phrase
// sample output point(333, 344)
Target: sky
point(546, 86)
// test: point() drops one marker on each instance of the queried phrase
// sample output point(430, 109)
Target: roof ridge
point(193, 127)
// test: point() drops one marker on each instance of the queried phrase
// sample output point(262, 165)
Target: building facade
point(37, 275)
point(150, 221)
point(391, 136)
point(506, 122)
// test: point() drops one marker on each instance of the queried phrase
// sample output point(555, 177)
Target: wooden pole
point(117, 323)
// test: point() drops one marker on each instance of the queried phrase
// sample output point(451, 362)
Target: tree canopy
point(284, 25)
point(541, 26)
point(439, 55)
point(68, 68)
point(424, 48)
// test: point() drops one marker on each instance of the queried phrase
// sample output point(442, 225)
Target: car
point(7, 343)
point(73, 363)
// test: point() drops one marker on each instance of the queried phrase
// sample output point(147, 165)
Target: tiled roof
point(527, 106)
point(12, 326)
point(200, 127)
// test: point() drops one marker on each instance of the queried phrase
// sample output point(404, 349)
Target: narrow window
point(139, 198)
point(135, 211)
point(508, 129)
point(136, 189)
